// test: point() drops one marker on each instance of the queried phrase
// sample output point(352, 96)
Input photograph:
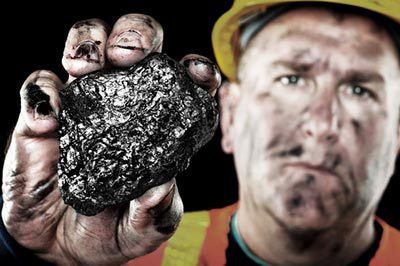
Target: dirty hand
point(33, 212)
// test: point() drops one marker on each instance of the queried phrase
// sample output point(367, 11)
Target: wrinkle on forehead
point(334, 17)
point(354, 38)
point(365, 46)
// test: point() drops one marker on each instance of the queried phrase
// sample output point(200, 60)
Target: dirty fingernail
point(34, 95)
point(164, 204)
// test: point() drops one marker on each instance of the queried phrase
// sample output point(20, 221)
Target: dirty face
point(315, 126)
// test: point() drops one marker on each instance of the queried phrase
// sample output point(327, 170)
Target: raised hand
point(33, 211)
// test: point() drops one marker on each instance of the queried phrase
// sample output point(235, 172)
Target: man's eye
point(361, 92)
point(292, 80)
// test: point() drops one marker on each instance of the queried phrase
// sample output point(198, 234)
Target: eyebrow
point(301, 33)
point(363, 77)
point(300, 67)
point(352, 76)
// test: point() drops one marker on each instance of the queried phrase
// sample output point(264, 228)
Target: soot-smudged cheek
point(365, 135)
point(356, 124)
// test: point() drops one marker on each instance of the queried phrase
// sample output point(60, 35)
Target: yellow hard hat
point(225, 34)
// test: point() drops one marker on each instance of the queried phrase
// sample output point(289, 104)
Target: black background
point(34, 36)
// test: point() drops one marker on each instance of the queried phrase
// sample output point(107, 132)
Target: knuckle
point(41, 189)
point(14, 185)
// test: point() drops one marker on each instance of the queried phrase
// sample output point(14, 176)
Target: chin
point(308, 199)
point(309, 221)
point(305, 212)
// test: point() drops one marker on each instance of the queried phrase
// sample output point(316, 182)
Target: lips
point(316, 168)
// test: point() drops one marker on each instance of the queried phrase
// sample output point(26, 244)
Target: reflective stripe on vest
point(202, 239)
point(185, 245)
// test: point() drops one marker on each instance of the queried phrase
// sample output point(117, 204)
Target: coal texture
point(124, 131)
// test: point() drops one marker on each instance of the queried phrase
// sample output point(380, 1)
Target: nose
point(321, 121)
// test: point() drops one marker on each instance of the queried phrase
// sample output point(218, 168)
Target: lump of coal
point(124, 131)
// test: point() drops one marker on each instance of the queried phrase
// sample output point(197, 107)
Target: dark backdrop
point(34, 36)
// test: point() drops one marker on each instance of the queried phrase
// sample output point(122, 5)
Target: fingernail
point(43, 108)
point(34, 95)
point(88, 51)
point(164, 204)
point(202, 65)
point(129, 36)
point(38, 100)
point(130, 40)
point(166, 229)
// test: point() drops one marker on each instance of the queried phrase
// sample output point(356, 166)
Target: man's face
point(315, 126)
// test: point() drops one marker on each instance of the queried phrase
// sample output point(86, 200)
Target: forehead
point(352, 34)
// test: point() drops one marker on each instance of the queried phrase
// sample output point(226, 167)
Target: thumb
point(160, 206)
point(157, 198)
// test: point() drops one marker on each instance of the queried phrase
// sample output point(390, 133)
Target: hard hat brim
point(225, 31)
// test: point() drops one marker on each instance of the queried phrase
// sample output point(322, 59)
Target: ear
point(228, 98)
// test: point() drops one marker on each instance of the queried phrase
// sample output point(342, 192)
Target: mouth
point(321, 169)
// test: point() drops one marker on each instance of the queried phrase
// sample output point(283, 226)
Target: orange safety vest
point(202, 239)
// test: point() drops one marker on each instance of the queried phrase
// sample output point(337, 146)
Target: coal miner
point(310, 114)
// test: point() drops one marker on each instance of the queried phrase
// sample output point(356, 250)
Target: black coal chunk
point(123, 131)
